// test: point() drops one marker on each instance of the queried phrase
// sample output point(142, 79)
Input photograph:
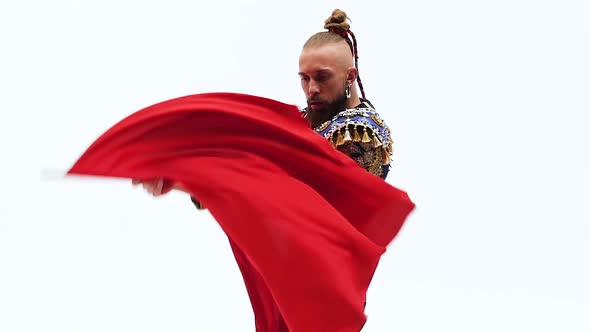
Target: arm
point(371, 158)
point(159, 186)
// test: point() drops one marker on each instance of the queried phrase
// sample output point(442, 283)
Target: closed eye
point(322, 77)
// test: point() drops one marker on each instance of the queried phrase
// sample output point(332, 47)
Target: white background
point(488, 102)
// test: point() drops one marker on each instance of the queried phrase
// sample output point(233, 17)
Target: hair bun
point(338, 21)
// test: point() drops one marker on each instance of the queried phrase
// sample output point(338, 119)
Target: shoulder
point(369, 126)
point(361, 129)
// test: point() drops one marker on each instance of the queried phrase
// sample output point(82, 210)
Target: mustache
point(315, 99)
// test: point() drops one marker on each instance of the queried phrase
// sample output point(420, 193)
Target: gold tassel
point(376, 142)
point(347, 137)
point(333, 139)
point(386, 156)
point(340, 139)
point(366, 138)
point(357, 136)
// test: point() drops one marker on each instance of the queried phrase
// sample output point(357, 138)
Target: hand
point(155, 186)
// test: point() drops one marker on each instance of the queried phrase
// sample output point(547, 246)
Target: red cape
point(307, 225)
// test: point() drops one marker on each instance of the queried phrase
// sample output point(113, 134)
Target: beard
point(318, 116)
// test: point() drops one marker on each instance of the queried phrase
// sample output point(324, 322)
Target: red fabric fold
point(306, 224)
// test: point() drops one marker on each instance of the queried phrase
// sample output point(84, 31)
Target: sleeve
point(366, 149)
point(367, 156)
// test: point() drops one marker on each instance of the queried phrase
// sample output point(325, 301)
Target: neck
point(354, 99)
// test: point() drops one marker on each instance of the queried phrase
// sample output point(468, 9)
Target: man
point(306, 224)
point(328, 69)
point(335, 110)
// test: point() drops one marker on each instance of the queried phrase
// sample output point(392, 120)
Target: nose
point(313, 88)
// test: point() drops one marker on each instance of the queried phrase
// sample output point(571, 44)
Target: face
point(325, 72)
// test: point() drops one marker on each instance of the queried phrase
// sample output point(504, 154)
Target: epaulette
point(361, 124)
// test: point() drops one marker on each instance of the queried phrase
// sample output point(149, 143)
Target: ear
point(351, 75)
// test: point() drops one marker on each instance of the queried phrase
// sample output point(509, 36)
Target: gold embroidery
point(369, 158)
point(324, 125)
point(377, 120)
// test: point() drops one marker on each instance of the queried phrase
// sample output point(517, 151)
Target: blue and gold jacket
point(361, 134)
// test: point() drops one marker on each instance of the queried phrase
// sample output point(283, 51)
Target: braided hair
point(338, 29)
